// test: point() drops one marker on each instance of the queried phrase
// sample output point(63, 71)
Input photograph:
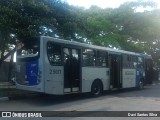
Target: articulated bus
point(55, 66)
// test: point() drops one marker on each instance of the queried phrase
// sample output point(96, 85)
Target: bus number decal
point(54, 71)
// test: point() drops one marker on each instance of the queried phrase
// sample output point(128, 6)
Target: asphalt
point(4, 98)
point(7, 98)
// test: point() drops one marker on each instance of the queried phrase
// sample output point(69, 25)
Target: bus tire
point(96, 88)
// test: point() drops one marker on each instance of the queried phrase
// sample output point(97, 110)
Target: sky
point(102, 3)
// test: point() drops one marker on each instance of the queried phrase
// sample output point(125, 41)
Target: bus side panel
point(89, 74)
point(53, 75)
point(129, 78)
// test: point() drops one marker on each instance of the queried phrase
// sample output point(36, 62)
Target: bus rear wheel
point(96, 89)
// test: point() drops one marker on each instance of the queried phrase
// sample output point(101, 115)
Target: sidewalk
point(6, 85)
point(3, 98)
point(5, 89)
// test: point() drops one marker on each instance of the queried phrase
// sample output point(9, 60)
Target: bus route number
point(54, 71)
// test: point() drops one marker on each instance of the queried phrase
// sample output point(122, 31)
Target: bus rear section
point(28, 75)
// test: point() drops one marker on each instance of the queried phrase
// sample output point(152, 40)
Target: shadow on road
point(47, 100)
point(150, 91)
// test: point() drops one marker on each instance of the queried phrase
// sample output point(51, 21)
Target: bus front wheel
point(96, 89)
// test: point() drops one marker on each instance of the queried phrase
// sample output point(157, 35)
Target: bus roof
point(110, 50)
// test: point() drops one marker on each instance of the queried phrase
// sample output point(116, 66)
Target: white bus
point(56, 66)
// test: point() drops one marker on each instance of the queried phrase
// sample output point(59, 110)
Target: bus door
point(148, 71)
point(115, 71)
point(71, 59)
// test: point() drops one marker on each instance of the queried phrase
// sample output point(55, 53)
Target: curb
point(4, 98)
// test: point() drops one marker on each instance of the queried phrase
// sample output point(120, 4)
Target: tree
point(122, 27)
point(21, 19)
point(98, 29)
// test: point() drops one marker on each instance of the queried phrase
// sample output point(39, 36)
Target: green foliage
point(21, 19)
point(121, 27)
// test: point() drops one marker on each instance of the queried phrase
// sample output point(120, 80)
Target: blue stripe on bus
point(32, 72)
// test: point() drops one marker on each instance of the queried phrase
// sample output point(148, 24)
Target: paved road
point(124, 100)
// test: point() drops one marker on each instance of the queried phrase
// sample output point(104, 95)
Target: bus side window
point(125, 61)
point(134, 61)
point(66, 55)
point(89, 57)
point(102, 58)
point(128, 61)
point(140, 62)
point(54, 53)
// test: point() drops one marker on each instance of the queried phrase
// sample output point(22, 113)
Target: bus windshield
point(30, 48)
